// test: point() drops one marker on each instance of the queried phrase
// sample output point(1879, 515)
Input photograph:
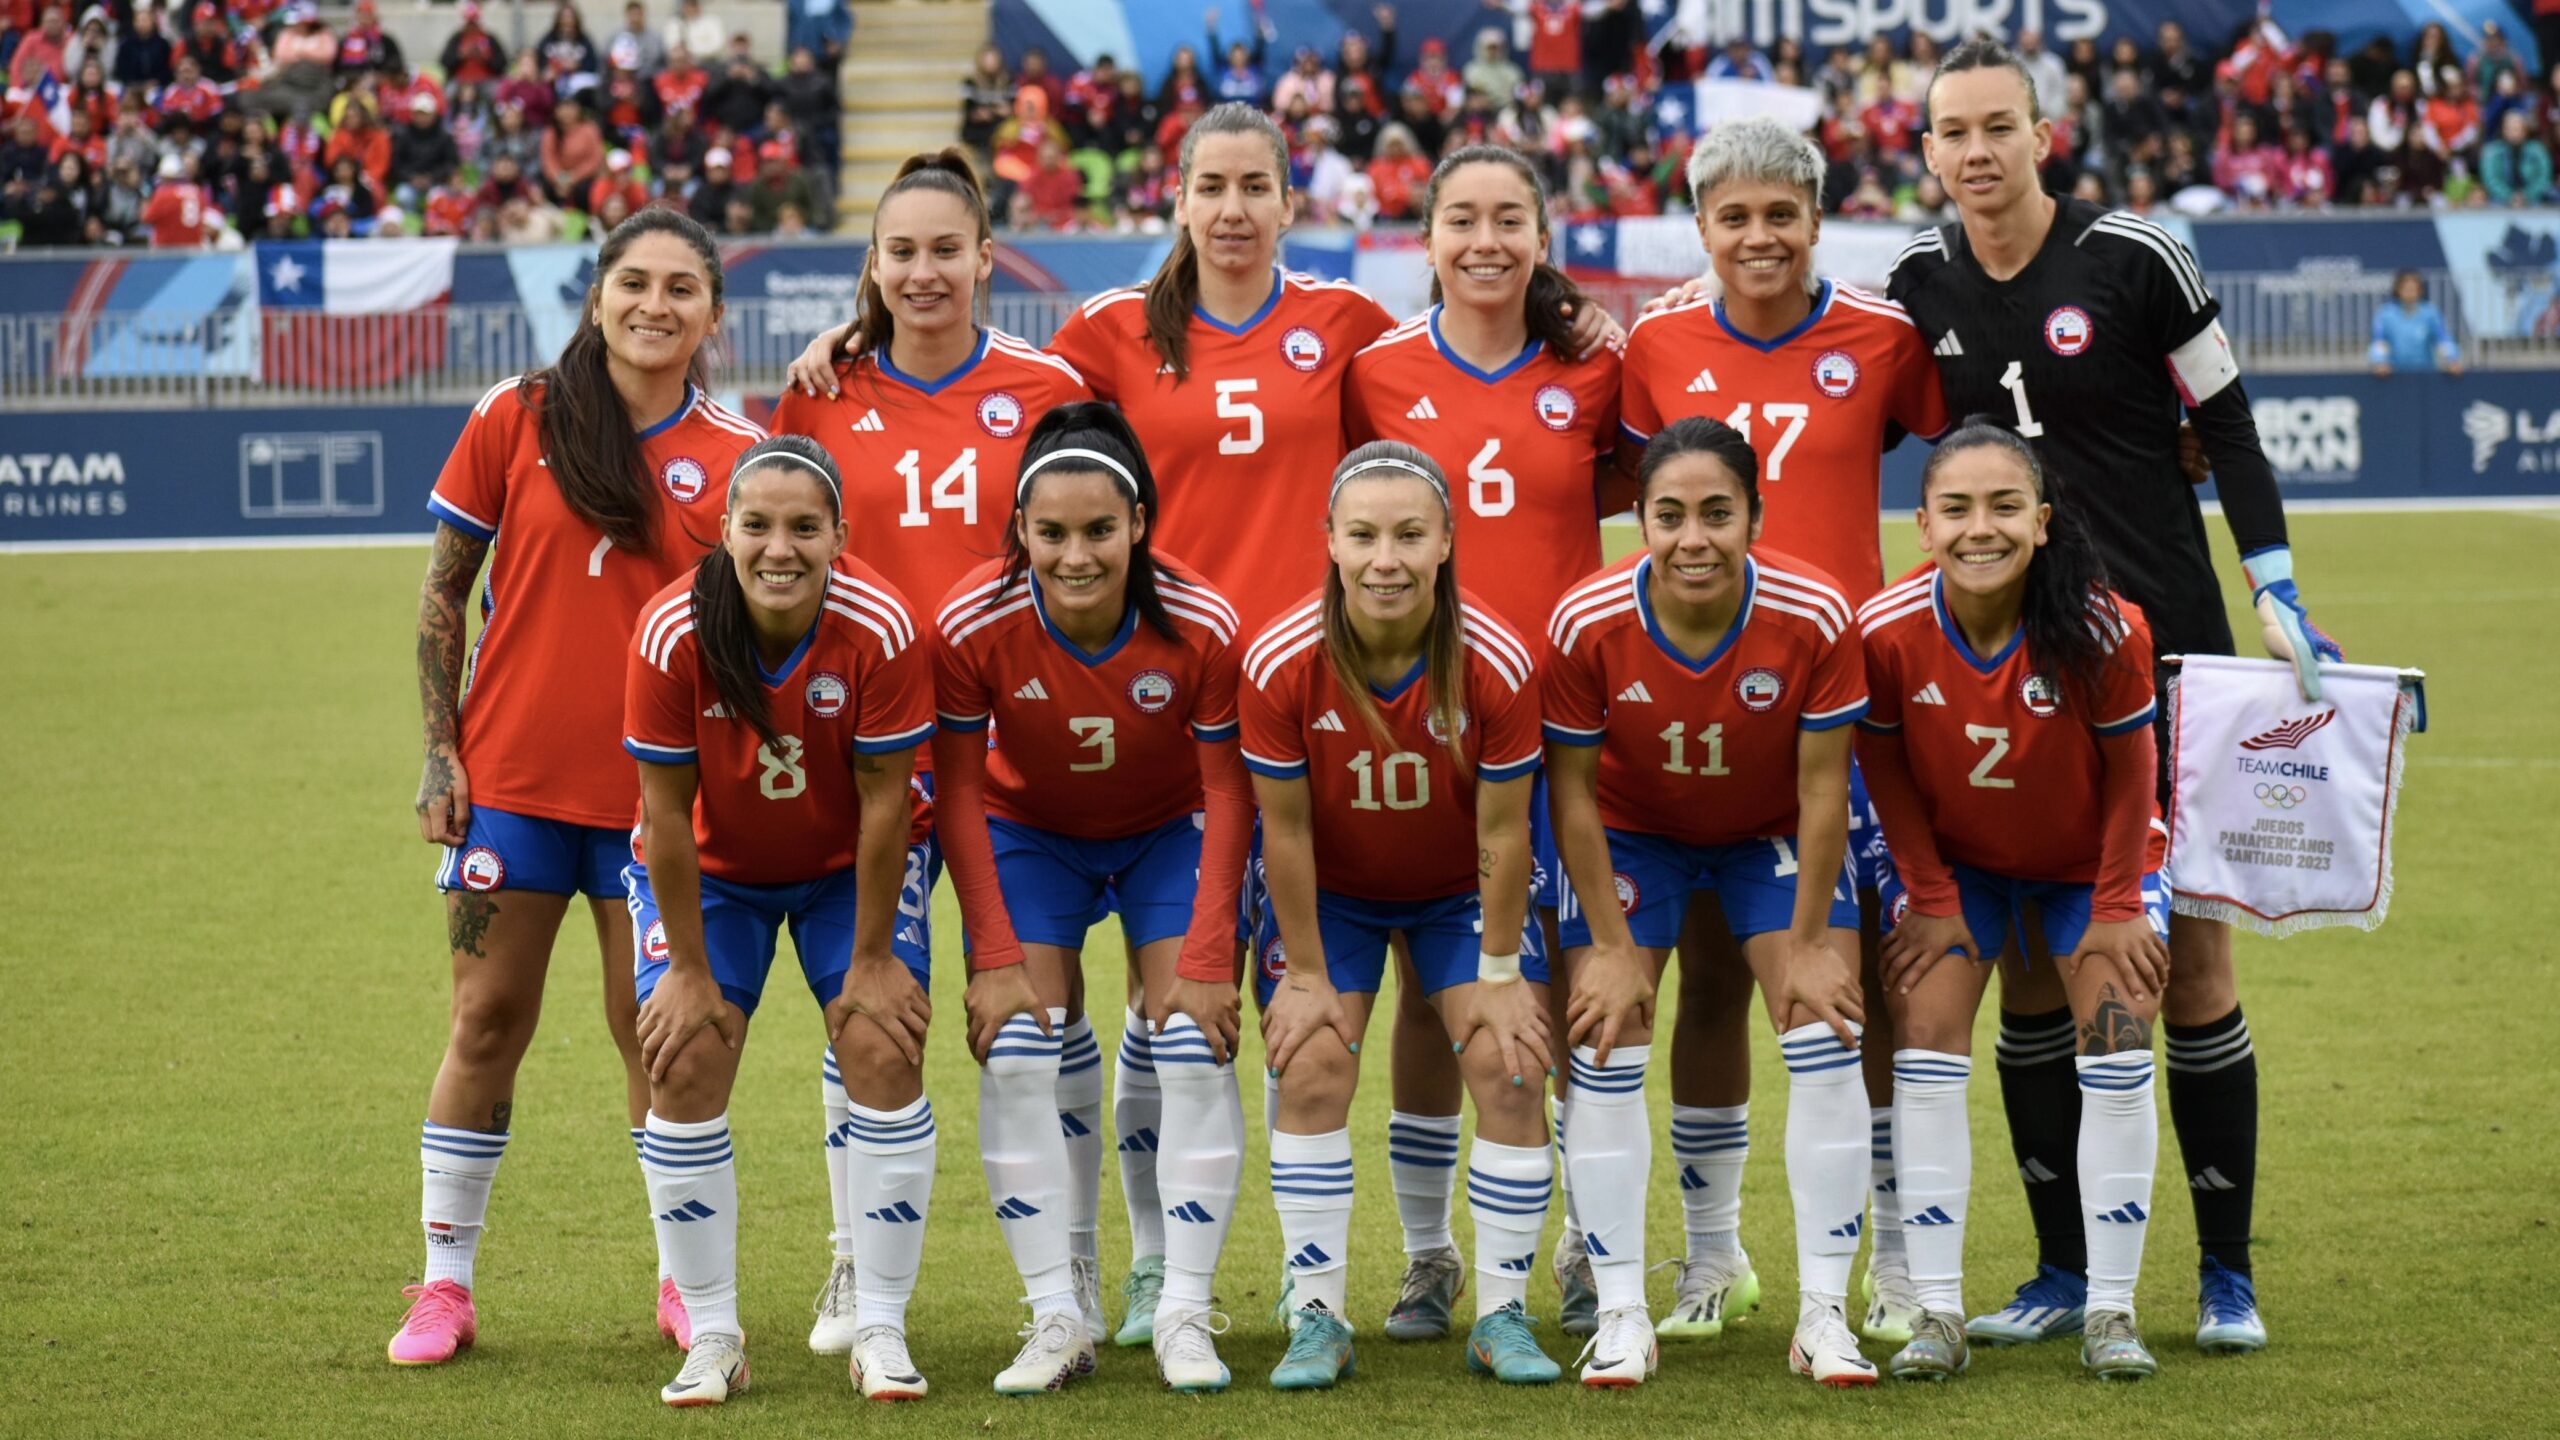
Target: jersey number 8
point(783, 779)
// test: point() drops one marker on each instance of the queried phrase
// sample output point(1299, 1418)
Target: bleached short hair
point(1756, 148)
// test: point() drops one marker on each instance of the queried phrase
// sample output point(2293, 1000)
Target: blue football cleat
point(2227, 1320)
point(2054, 1303)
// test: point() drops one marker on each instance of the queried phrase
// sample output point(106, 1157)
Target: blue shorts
point(1995, 909)
point(1546, 869)
point(1869, 861)
point(506, 851)
point(1057, 887)
point(740, 922)
point(1755, 881)
point(1253, 897)
point(1445, 936)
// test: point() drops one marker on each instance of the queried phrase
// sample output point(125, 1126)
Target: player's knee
point(1321, 1076)
point(697, 1080)
point(1918, 1025)
point(492, 1025)
point(869, 1060)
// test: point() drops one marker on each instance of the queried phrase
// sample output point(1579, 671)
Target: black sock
point(2213, 1104)
point(2040, 1089)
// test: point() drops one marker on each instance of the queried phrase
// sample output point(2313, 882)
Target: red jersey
point(1555, 37)
point(175, 212)
point(1099, 744)
point(859, 684)
point(2011, 779)
point(1814, 402)
point(929, 465)
point(681, 90)
point(539, 713)
point(1702, 751)
point(1520, 447)
point(1393, 820)
point(1243, 450)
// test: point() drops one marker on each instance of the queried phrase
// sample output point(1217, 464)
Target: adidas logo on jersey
point(1928, 695)
point(1705, 384)
point(1032, 691)
point(869, 423)
point(1422, 410)
point(1329, 720)
point(719, 711)
point(1947, 345)
point(1636, 694)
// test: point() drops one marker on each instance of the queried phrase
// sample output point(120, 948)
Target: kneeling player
point(1698, 701)
point(2009, 752)
point(775, 702)
point(1108, 677)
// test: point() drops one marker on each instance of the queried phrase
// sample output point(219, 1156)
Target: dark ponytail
point(594, 455)
point(1091, 425)
point(721, 629)
point(1697, 435)
point(948, 172)
point(1174, 293)
point(1550, 290)
point(2068, 614)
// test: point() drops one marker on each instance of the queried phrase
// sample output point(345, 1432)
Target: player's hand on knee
point(1914, 947)
point(2141, 956)
point(1513, 1018)
point(995, 996)
point(444, 798)
point(1612, 986)
point(883, 993)
point(1822, 983)
point(1299, 1008)
point(1214, 1008)
point(684, 1004)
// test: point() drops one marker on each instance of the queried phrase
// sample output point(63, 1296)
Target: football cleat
point(1187, 1351)
point(1143, 1287)
point(1056, 1349)
point(673, 1321)
point(1087, 1275)
point(2227, 1320)
point(1433, 1281)
point(2111, 1349)
point(1621, 1350)
point(441, 1322)
point(1825, 1350)
point(880, 1367)
point(833, 1334)
point(1937, 1351)
point(2053, 1303)
point(1501, 1346)
point(1714, 1291)
point(1319, 1352)
point(1893, 1307)
point(1579, 1314)
point(715, 1368)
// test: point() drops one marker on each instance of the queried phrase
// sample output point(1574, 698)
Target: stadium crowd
point(132, 124)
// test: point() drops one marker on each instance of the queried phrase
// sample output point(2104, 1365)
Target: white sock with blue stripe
point(1080, 1118)
point(836, 1103)
point(2119, 1150)
point(1201, 1165)
point(1827, 1157)
point(1612, 1156)
point(693, 1193)
point(1884, 1195)
point(456, 1169)
point(1422, 1166)
point(893, 1152)
point(1025, 1157)
point(638, 1150)
point(1710, 1144)
point(1933, 1160)
point(1137, 1115)
point(1311, 1188)
point(1558, 1107)
point(1509, 1188)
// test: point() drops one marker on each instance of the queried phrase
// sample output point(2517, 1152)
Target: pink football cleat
point(673, 1322)
point(440, 1322)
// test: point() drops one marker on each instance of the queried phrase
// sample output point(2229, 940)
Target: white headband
point(788, 458)
point(1438, 486)
point(1022, 487)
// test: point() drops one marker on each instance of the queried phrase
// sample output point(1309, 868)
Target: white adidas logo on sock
point(869, 423)
point(1329, 720)
point(1636, 694)
point(1032, 691)
point(1422, 410)
point(1705, 384)
point(1928, 695)
point(1947, 345)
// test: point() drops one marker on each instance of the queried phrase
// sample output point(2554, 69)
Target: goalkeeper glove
point(2282, 622)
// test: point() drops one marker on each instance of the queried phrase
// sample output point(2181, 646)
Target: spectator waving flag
point(342, 313)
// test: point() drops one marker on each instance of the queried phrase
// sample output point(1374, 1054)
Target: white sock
point(693, 1193)
point(1422, 1165)
point(1270, 1104)
point(2119, 1149)
point(1612, 1159)
point(1137, 1114)
point(1080, 1117)
point(1827, 1157)
point(456, 1169)
point(1026, 1158)
point(893, 1153)
point(1558, 1107)
point(637, 1151)
point(1884, 1198)
point(1509, 1188)
point(1202, 1163)
point(1311, 1188)
point(1933, 1163)
point(832, 1098)
point(1710, 1144)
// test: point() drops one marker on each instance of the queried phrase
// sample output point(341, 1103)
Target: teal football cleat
point(2112, 1349)
point(2227, 1320)
point(1319, 1352)
point(2054, 1303)
point(1579, 1314)
point(1144, 1287)
point(1433, 1281)
point(1501, 1346)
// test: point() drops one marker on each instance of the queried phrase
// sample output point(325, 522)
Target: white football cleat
point(1087, 1274)
point(714, 1369)
point(1620, 1353)
point(880, 1367)
point(1056, 1349)
point(833, 1334)
point(1825, 1350)
point(1187, 1350)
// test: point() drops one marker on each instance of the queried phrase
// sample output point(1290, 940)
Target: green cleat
point(1501, 1346)
point(1580, 1312)
point(1714, 1291)
point(1319, 1351)
point(1893, 1307)
point(1433, 1281)
point(1144, 1287)
point(2112, 1349)
point(1938, 1350)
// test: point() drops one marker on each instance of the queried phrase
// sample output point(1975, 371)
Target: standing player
point(1826, 378)
point(1743, 796)
point(2016, 774)
point(599, 472)
point(1108, 683)
point(1489, 384)
point(775, 701)
point(927, 424)
point(1391, 726)
point(2093, 330)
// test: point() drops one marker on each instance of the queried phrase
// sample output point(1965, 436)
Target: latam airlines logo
point(2486, 426)
point(2290, 734)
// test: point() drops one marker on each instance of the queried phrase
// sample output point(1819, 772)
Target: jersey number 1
point(2014, 380)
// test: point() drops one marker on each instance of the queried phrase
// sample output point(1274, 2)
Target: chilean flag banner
point(342, 314)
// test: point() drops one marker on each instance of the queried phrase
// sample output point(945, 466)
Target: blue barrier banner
point(105, 477)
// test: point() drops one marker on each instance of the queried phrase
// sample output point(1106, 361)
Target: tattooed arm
point(444, 792)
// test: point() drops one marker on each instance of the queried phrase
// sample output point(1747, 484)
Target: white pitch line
point(2487, 762)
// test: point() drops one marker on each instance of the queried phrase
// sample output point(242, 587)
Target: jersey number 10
point(1402, 781)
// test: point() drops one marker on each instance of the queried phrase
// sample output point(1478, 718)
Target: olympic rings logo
point(2279, 797)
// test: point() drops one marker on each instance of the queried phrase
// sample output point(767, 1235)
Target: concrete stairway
point(901, 91)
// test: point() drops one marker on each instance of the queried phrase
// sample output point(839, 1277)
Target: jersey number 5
point(1231, 406)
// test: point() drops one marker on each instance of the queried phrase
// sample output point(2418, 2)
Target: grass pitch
point(231, 990)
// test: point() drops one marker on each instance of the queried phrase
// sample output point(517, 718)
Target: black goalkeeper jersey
point(2073, 352)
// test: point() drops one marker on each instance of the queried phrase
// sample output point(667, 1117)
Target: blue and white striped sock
point(1025, 1157)
point(1080, 1119)
point(892, 1194)
point(456, 1169)
point(2119, 1151)
point(1884, 1199)
point(1711, 1144)
point(832, 1099)
point(1137, 1115)
point(639, 1151)
point(1827, 1157)
point(1933, 1158)
point(1509, 1188)
point(1311, 1188)
point(1201, 1165)
point(1558, 1107)
point(1611, 1157)
point(693, 1195)
point(1422, 1166)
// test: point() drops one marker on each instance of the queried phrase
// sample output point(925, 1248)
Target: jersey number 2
point(1982, 777)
